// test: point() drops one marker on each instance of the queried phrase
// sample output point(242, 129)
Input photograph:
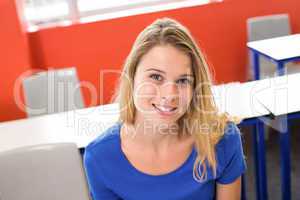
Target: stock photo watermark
point(60, 95)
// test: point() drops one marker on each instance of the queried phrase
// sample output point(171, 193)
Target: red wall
point(14, 59)
point(220, 29)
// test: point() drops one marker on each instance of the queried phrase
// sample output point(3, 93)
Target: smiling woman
point(165, 89)
point(170, 142)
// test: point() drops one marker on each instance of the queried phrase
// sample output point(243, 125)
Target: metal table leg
point(260, 161)
point(285, 159)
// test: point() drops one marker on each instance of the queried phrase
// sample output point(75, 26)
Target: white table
point(78, 126)
point(279, 50)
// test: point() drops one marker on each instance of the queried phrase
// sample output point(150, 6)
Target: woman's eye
point(184, 81)
point(156, 77)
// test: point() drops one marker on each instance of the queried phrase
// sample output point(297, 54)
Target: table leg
point(285, 159)
point(256, 67)
point(280, 68)
point(243, 195)
point(260, 161)
point(81, 150)
point(285, 151)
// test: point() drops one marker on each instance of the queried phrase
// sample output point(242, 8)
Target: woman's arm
point(231, 191)
point(232, 165)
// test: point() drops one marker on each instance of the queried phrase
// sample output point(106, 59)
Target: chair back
point(47, 172)
point(52, 91)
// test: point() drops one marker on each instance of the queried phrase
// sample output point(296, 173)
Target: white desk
point(279, 48)
point(80, 127)
point(279, 94)
point(240, 100)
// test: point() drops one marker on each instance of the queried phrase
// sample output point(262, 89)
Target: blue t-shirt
point(111, 176)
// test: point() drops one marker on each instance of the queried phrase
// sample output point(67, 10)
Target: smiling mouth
point(165, 110)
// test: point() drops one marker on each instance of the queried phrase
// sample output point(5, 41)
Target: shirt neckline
point(147, 175)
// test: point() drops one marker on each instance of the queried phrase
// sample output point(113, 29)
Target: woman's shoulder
point(231, 136)
point(230, 156)
point(106, 140)
point(230, 143)
point(101, 158)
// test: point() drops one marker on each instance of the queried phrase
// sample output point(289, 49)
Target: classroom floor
point(273, 163)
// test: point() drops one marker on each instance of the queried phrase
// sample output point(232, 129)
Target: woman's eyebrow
point(153, 69)
point(184, 75)
point(158, 70)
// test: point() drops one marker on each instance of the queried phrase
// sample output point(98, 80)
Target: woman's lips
point(165, 110)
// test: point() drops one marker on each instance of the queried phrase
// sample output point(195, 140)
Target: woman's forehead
point(166, 59)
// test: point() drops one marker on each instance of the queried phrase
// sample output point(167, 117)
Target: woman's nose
point(169, 91)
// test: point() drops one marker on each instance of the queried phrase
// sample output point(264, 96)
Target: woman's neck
point(158, 138)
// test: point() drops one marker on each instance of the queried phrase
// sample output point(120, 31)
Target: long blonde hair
point(202, 119)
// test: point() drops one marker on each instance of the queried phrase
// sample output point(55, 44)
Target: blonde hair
point(202, 110)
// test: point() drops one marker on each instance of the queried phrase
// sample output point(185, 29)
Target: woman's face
point(163, 85)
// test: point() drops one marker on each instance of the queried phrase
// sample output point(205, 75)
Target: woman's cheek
point(145, 90)
point(143, 94)
point(185, 100)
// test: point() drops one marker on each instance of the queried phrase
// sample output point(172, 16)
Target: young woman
point(170, 142)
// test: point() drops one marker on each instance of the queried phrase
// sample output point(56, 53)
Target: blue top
point(111, 176)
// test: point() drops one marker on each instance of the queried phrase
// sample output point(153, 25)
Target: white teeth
point(165, 109)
